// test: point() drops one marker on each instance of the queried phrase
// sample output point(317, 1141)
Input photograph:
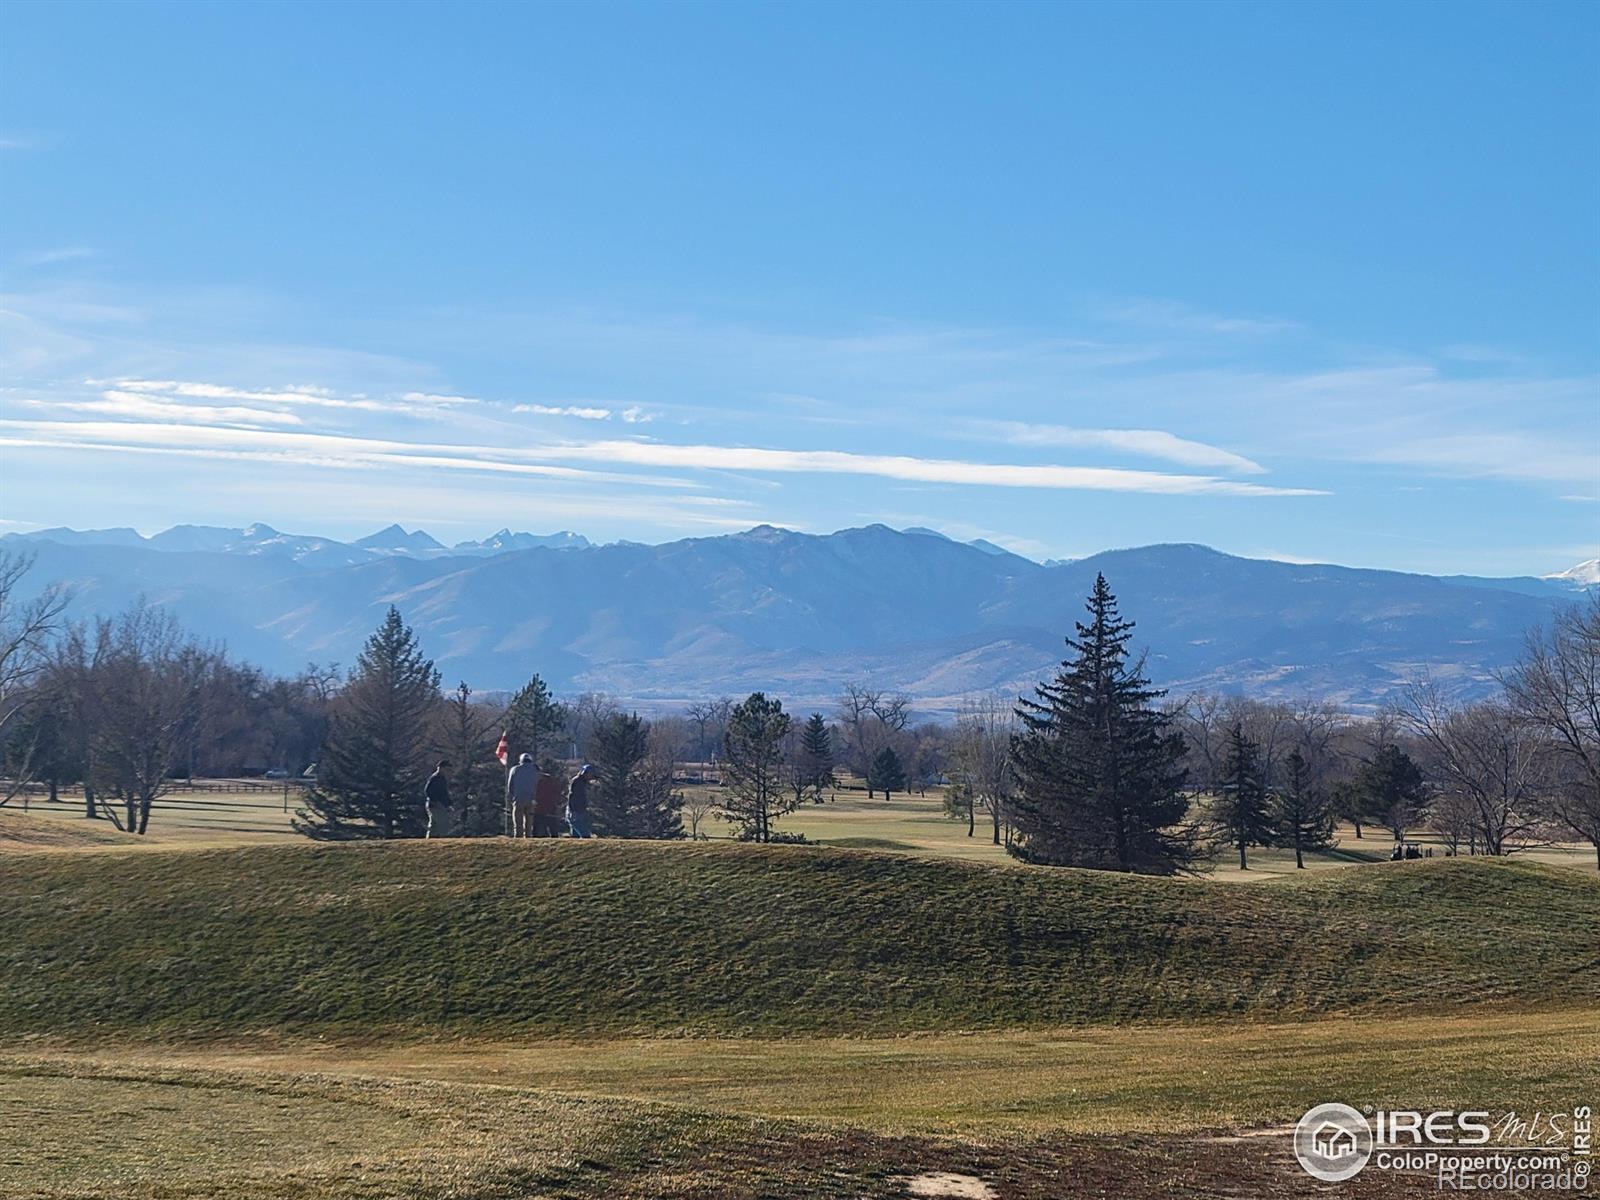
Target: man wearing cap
point(521, 786)
point(578, 804)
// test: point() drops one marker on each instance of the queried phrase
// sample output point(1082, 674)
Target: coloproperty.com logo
point(1465, 1151)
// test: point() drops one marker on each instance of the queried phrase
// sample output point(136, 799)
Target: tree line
point(1096, 768)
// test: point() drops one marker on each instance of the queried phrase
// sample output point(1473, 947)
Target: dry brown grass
point(1137, 1079)
point(99, 1132)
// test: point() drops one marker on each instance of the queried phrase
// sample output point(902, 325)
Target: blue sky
point(1313, 282)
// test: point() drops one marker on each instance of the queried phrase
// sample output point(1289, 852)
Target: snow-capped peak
point(1585, 574)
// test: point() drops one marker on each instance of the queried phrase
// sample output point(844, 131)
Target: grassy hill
point(565, 937)
point(23, 831)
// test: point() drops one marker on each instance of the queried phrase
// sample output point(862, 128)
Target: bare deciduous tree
point(1557, 687)
point(584, 715)
point(26, 628)
point(145, 690)
point(872, 720)
point(1488, 756)
point(710, 719)
point(981, 756)
point(698, 804)
point(1203, 719)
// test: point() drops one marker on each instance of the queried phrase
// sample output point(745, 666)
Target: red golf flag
point(502, 751)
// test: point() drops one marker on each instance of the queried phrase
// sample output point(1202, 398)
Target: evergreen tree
point(534, 721)
point(658, 804)
point(1240, 810)
point(632, 795)
point(887, 773)
point(1391, 789)
point(1349, 803)
point(378, 751)
point(811, 765)
point(1303, 812)
point(753, 766)
point(961, 802)
point(1097, 766)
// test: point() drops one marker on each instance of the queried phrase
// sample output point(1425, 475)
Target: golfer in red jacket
point(549, 798)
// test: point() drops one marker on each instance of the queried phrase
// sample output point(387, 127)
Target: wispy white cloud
point(146, 407)
point(909, 468)
point(1500, 455)
point(1149, 443)
point(408, 403)
point(60, 254)
point(582, 412)
point(433, 398)
point(636, 415)
point(1175, 316)
point(311, 396)
point(317, 449)
point(372, 451)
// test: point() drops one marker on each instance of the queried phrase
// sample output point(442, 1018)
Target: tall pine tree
point(1391, 789)
point(534, 721)
point(811, 765)
point(753, 767)
point(379, 747)
point(632, 795)
point(1303, 811)
point(1240, 810)
point(887, 773)
point(1097, 765)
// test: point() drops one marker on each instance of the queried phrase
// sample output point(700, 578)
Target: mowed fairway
point(908, 823)
point(492, 1020)
point(1144, 1079)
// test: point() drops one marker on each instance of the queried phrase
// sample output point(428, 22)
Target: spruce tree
point(1240, 810)
point(811, 766)
point(1303, 812)
point(534, 721)
point(753, 767)
point(632, 796)
point(1098, 768)
point(887, 773)
point(1391, 789)
point(379, 748)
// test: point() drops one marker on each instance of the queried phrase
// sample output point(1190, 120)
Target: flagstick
point(505, 761)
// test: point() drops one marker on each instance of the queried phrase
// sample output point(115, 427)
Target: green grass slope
point(23, 831)
point(569, 937)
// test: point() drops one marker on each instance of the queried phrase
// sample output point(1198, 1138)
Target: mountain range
point(799, 614)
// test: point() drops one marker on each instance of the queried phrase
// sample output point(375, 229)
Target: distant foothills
point(799, 614)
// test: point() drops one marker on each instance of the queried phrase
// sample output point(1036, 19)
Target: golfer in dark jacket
point(436, 796)
point(578, 804)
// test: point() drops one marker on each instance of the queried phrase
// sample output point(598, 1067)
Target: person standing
point(547, 804)
point(522, 784)
point(436, 797)
point(578, 804)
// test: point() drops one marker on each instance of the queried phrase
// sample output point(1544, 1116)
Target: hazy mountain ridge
point(263, 539)
point(798, 614)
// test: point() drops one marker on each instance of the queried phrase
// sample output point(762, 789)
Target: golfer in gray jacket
point(520, 786)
